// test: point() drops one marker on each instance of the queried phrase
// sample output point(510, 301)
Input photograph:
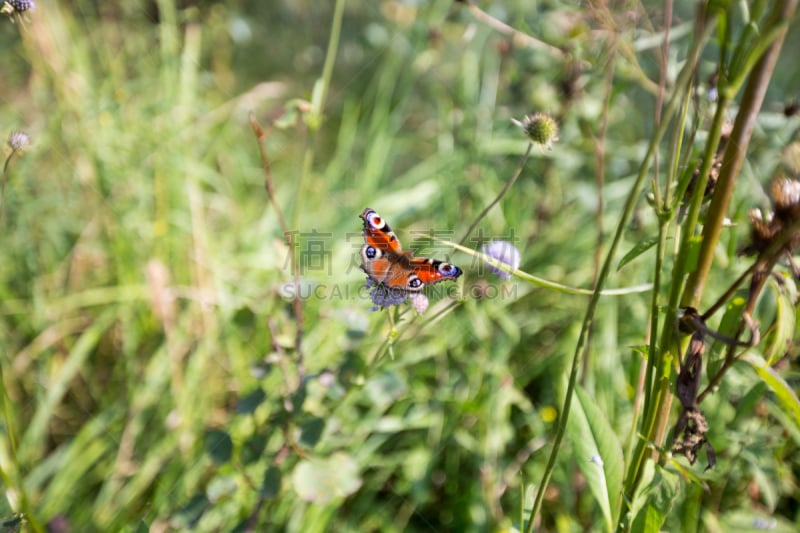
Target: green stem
point(3, 180)
point(732, 161)
point(499, 196)
point(654, 426)
point(682, 85)
point(319, 95)
point(657, 397)
point(11, 481)
point(665, 212)
point(660, 360)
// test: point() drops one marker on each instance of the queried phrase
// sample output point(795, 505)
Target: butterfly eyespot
point(375, 220)
point(446, 269)
point(414, 283)
point(370, 252)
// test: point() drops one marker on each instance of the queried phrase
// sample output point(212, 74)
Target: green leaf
point(654, 499)
point(640, 248)
point(12, 524)
point(785, 320)
point(189, 515)
point(598, 453)
point(322, 480)
point(252, 449)
point(311, 431)
point(687, 474)
point(250, 401)
point(727, 326)
point(221, 487)
point(787, 398)
point(218, 445)
point(385, 388)
point(747, 521)
point(748, 403)
point(691, 508)
point(271, 485)
point(526, 504)
point(314, 117)
point(292, 110)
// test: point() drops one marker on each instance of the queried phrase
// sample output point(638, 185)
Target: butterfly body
point(384, 260)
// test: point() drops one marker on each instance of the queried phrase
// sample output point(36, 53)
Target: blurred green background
point(149, 360)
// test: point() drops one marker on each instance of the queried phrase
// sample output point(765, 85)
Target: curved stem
point(3, 180)
point(499, 196)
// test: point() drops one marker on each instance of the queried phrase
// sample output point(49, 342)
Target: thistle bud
point(539, 128)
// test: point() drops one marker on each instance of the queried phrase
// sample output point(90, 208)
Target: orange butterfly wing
point(431, 271)
point(377, 232)
point(375, 263)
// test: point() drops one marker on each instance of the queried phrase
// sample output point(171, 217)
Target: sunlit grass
point(149, 333)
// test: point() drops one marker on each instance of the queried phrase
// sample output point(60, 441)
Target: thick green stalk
point(663, 358)
point(654, 427)
point(665, 214)
point(658, 399)
point(753, 96)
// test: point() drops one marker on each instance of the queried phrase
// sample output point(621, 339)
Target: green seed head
point(539, 128)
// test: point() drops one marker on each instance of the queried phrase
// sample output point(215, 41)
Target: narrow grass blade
point(35, 434)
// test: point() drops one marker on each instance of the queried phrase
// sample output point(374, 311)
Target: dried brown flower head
point(764, 229)
point(786, 194)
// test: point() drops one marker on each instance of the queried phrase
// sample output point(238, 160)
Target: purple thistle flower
point(18, 140)
point(505, 252)
point(383, 296)
point(419, 301)
point(20, 6)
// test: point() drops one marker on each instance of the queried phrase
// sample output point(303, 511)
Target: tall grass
point(159, 371)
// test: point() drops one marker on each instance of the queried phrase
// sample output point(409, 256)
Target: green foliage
point(182, 349)
point(598, 455)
